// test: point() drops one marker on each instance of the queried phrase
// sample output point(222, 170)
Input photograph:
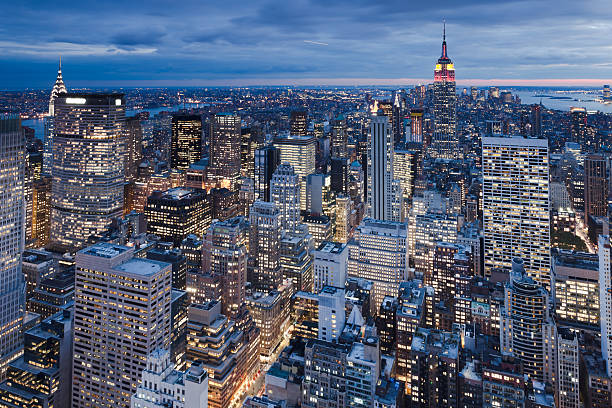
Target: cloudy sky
point(302, 42)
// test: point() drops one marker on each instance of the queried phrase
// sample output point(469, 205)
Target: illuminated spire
point(444, 41)
point(58, 88)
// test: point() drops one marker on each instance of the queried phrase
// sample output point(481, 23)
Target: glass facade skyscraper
point(88, 166)
point(12, 285)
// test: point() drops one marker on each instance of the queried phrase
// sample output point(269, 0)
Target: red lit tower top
point(445, 70)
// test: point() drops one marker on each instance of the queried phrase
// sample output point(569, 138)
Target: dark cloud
point(196, 40)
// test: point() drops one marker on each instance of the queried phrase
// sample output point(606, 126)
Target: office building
point(341, 375)
point(596, 182)
point(332, 315)
point(445, 142)
point(163, 385)
point(578, 125)
point(296, 259)
point(42, 376)
point(114, 290)
point(416, 125)
point(528, 330)
point(224, 150)
point(386, 324)
point(285, 193)
point(319, 227)
point(339, 137)
point(178, 212)
point(36, 265)
point(345, 219)
point(330, 265)
point(53, 295)
point(383, 193)
point(410, 314)
point(516, 213)
point(217, 345)
point(299, 122)
point(12, 235)
point(186, 145)
point(165, 253)
point(225, 255)
point(248, 146)
point(320, 199)
point(270, 312)
point(605, 300)
point(133, 148)
point(576, 285)
point(434, 368)
point(340, 175)
point(264, 246)
point(41, 211)
point(503, 382)
point(378, 252)
point(299, 152)
point(88, 166)
point(267, 159)
point(568, 369)
point(595, 380)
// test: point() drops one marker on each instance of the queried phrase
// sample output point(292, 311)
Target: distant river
point(563, 101)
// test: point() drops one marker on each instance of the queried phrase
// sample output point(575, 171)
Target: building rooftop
point(105, 250)
point(331, 247)
point(140, 266)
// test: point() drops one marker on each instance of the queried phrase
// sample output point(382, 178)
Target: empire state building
point(445, 141)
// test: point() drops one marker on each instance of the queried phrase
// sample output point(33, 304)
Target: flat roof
point(105, 250)
point(141, 266)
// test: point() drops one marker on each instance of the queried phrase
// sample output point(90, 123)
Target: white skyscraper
point(379, 253)
point(330, 265)
point(12, 284)
point(605, 300)
point(516, 204)
point(285, 193)
point(163, 386)
point(384, 193)
point(332, 316)
point(122, 314)
point(88, 166)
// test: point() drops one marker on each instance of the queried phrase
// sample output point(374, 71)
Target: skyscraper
point(122, 314)
point(285, 193)
point(605, 299)
point(267, 159)
point(186, 146)
point(445, 99)
point(379, 253)
point(383, 191)
point(58, 89)
point(299, 152)
point(339, 138)
point(578, 124)
point(224, 165)
point(225, 255)
point(416, 125)
point(516, 213)
point(299, 122)
point(133, 147)
point(528, 329)
point(88, 157)
point(12, 285)
point(174, 214)
point(264, 245)
point(596, 176)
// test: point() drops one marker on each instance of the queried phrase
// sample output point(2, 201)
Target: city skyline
point(305, 43)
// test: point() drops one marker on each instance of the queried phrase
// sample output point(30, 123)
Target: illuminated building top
point(445, 70)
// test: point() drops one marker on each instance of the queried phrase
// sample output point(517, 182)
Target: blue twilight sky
point(302, 42)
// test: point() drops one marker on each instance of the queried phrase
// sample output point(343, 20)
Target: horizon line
point(356, 82)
